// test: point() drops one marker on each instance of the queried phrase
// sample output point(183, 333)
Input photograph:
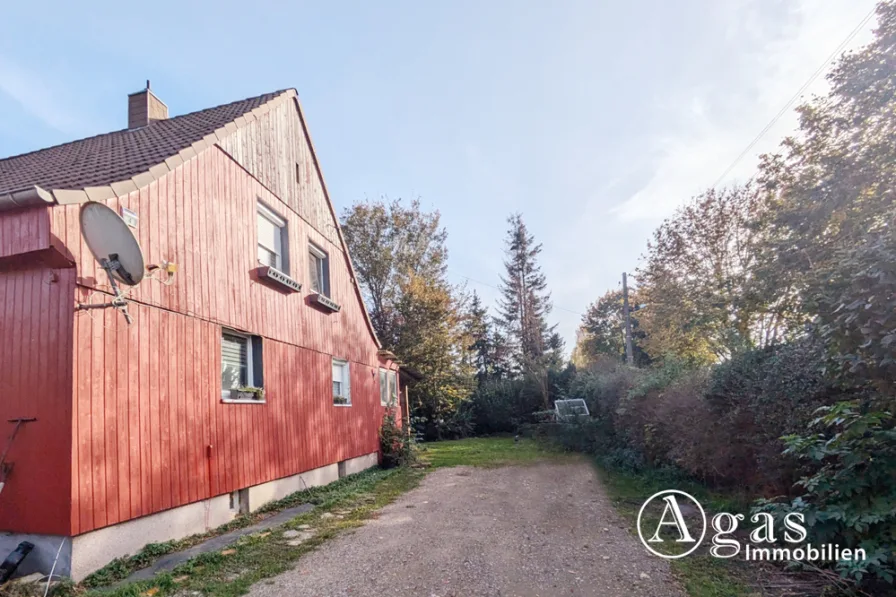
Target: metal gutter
point(29, 197)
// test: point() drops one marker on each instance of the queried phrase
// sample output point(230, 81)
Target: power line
point(795, 97)
point(468, 278)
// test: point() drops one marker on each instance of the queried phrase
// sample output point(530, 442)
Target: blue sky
point(593, 119)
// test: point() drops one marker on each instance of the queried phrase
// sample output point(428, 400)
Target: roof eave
point(29, 197)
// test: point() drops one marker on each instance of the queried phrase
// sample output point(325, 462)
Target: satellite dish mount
point(119, 300)
point(116, 250)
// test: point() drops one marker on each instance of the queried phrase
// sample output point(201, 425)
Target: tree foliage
point(603, 326)
point(399, 254)
point(525, 301)
point(703, 302)
point(488, 348)
point(833, 189)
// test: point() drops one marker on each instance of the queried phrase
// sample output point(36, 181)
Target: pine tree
point(488, 346)
point(525, 301)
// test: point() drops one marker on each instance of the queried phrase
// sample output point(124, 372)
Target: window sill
point(342, 405)
point(274, 276)
point(229, 401)
point(324, 302)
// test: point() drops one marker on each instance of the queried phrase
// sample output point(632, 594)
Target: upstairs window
point(241, 366)
point(319, 270)
point(271, 239)
point(342, 392)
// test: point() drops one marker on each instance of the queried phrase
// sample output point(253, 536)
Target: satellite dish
point(112, 243)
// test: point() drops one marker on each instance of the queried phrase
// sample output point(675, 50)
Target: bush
point(849, 495)
point(396, 445)
point(762, 395)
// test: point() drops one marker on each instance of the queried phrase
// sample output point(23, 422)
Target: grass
point(356, 498)
point(341, 505)
point(486, 452)
point(701, 575)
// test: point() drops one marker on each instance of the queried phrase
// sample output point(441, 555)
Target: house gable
point(276, 148)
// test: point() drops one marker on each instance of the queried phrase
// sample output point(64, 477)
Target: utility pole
point(626, 314)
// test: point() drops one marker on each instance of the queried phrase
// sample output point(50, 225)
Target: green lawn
point(486, 452)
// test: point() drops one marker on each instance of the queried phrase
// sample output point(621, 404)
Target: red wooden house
point(138, 435)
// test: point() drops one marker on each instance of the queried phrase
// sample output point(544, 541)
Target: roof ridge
point(273, 94)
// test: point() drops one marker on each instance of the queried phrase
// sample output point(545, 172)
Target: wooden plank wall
point(35, 381)
point(151, 432)
point(276, 149)
point(24, 230)
point(147, 398)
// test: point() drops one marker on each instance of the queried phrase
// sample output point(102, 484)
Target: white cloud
point(710, 127)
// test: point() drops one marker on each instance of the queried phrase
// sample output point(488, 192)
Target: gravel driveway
point(539, 530)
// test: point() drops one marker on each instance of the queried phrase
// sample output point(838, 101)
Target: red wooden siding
point(24, 230)
point(35, 381)
point(147, 397)
point(144, 421)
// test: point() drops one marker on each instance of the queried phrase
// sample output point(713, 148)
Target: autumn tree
point(398, 253)
point(833, 205)
point(703, 302)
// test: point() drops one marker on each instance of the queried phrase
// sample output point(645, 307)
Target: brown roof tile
point(114, 157)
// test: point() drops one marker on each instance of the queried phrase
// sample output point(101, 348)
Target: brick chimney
point(144, 108)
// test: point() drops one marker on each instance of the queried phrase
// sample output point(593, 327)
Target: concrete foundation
point(361, 463)
point(86, 553)
point(280, 488)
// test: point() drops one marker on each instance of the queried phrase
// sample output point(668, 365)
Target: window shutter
point(234, 361)
point(347, 377)
point(338, 390)
point(257, 363)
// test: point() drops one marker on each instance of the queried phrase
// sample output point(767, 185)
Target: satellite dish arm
point(118, 301)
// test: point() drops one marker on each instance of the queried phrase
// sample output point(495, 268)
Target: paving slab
point(172, 560)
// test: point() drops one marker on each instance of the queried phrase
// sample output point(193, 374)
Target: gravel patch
point(540, 530)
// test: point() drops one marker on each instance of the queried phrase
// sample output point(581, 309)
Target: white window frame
point(393, 388)
point(346, 380)
point(250, 366)
point(384, 387)
point(325, 265)
point(281, 262)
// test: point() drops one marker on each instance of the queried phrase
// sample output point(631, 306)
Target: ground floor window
point(342, 394)
point(241, 367)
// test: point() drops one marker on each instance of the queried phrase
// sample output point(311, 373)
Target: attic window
point(272, 239)
point(298, 173)
point(319, 270)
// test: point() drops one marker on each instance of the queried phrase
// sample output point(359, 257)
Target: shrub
point(849, 495)
point(760, 396)
point(396, 445)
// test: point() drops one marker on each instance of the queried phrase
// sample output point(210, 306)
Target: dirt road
point(539, 530)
